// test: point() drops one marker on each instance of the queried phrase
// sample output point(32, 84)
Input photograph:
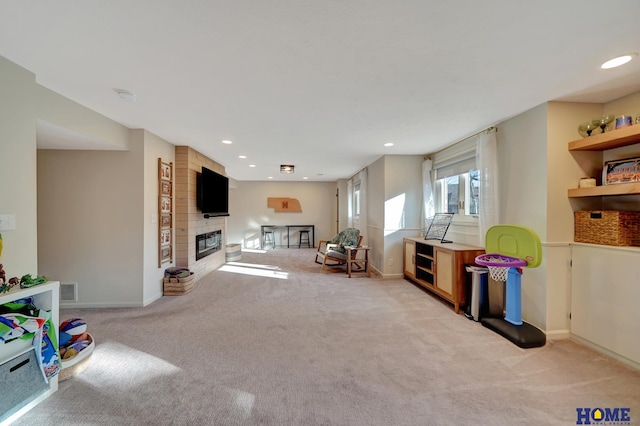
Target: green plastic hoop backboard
point(515, 241)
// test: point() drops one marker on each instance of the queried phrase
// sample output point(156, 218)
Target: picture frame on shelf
point(621, 171)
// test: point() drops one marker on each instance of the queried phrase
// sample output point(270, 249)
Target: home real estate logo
point(603, 416)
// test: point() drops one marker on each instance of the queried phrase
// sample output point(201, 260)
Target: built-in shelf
point(602, 142)
point(607, 140)
point(599, 191)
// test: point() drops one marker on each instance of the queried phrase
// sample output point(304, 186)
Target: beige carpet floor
point(274, 340)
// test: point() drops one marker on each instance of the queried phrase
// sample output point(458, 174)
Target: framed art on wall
point(165, 221)
point(165, 212)
point(165, 204)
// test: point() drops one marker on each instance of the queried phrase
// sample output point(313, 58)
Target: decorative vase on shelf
point(603, 121)
point(586, 129)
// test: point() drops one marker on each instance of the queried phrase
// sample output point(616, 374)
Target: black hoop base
point(524, 336)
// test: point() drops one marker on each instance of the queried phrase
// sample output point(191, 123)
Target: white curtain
point(350, 203)
point(428, 208)
point(363, 205)
point(487, 163)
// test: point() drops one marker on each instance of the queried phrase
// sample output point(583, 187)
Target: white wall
point(522, 156)
point(18, 168)
point(154, 148)
point(248, 209)
point(402, 190)
point(343, 207)
point(375, 213)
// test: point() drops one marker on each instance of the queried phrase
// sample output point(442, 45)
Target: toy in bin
point(509, 249)
point(76, 345)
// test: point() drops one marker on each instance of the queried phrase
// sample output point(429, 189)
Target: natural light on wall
point(394, 214)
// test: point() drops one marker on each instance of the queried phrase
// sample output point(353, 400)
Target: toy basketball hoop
point(499, 265)
point(511, 248)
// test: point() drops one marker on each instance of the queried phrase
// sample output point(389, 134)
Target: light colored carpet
point(278, 341)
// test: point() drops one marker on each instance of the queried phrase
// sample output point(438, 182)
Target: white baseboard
point(558, 334)
point(99, 305)
point(606, 352)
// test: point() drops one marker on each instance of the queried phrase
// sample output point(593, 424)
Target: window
point(458, 194)
point(356, 199)
point(456, 188)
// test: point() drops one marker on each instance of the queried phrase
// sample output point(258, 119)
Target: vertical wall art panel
point(165, 212)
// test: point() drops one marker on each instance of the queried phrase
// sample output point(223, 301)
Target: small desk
point(352, 251)
point(288, 228)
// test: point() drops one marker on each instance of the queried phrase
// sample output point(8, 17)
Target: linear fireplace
point(208, 243)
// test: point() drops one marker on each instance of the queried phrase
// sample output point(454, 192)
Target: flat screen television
point(212, 193)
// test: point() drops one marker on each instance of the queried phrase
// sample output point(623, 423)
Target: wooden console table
point(440, 267)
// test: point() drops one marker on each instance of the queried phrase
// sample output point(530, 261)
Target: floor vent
point(69, 292)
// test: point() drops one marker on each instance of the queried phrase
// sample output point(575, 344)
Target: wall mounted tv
point(212, 193)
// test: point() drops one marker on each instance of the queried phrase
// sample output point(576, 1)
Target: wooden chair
point(332, 257)
point(347, 236)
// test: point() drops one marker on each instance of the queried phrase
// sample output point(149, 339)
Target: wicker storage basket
point(178, 286)
point(608, 227)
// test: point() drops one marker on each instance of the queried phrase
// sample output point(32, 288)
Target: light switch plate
point(7, 222)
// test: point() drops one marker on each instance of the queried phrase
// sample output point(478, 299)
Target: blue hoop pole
point(514, 301)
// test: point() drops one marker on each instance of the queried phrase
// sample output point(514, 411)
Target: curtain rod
point(487, 130)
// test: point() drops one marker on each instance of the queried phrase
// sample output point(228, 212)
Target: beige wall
point(18, 168)
point(55, 108)
point(90, 210)
point(248, 206)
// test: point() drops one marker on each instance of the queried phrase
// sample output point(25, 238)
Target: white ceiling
point(320, 84)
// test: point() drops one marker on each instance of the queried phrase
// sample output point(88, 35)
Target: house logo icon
point(603, 416)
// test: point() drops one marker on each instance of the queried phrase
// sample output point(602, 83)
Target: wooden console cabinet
point(439, 267)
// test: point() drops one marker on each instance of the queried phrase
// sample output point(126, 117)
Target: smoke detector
point(125, 95)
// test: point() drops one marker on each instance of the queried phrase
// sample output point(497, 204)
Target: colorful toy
point(509, 249)
point(73, 326)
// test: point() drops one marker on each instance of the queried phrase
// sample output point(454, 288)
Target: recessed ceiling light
point(305, 178)
point(616, 62)
point(270, 177)
point(125, 95)
point(286, 168)
point(242, 156)
point(227, 142)
point(388, 144)
point(252, 165)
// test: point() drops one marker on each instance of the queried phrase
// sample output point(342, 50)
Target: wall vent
point(68, 292)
